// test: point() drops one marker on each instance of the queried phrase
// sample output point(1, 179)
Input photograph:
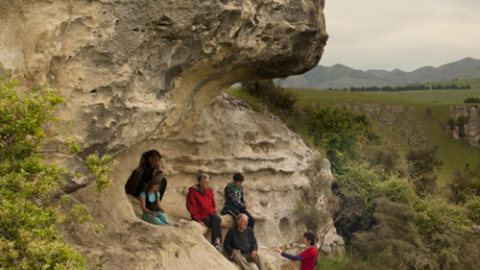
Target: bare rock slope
point(139, 75)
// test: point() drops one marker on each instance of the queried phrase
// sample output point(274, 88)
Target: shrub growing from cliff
point(30, 200)
point(279, 100)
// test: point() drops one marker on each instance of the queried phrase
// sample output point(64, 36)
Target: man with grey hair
point(241, 245)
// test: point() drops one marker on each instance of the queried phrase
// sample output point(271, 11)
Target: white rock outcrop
point(228, 137)
point(470, 131)
point(142, 74)
point(128, 68)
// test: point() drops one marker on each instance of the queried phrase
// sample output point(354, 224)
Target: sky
point(404, 34)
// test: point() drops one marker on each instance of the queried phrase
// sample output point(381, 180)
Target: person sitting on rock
point(241, 245)
point(307, 257)
point(235, 203)
point(150, 202)
point(149, 165)
point(201, 205)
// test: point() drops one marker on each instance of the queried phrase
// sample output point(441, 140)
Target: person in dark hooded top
point(143, 174)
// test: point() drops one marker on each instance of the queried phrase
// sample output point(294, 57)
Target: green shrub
point(398, 190)
point(437, 216)
point(394, 242)
point(29, 216)
point(422, 167)
point(473, 207)
point(338, 131)
point(465, 184)
point(356, 188)
point(472, 100)
point(30, 199)
point(279, 100)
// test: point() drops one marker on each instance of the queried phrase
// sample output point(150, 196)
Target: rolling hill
point(340, 76)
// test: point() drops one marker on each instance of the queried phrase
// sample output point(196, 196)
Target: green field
point(454, 153)
point(423, 98)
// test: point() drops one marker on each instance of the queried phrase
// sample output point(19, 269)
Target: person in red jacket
point(201, 205)
point(308, 257)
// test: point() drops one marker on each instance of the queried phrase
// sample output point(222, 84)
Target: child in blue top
point(150, 202)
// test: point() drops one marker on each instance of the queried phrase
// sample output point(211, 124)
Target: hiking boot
point(218, 247)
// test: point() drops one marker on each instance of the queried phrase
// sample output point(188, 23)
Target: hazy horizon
point(380, 34)
point(321, 64)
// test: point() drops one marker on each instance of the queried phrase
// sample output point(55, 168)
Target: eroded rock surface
point(228, 137)
point(470, 130)
point(138, 75)
point(130, 67)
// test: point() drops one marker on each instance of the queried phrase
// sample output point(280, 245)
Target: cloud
point(388, 34)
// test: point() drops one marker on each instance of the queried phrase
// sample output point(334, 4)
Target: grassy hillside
point(454, 153)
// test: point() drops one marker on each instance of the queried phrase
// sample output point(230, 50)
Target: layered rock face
point(227, 137)
point(130, 67)
point(470, 131)
point(139, 75)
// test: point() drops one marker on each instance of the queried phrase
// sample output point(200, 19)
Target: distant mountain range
point(340, 76)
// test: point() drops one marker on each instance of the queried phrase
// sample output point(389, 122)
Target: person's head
point(203, 180)
point(153, 158)
point(238, 179)
point(309, 239)
point(242, 221)
point(154, 185)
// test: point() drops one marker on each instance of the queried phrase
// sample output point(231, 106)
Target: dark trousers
point(214, 222)
point(236, 212)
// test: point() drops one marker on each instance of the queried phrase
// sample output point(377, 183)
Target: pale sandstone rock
point(217, 143)
point(471, 129)
point(130, 67)
point(138, 75)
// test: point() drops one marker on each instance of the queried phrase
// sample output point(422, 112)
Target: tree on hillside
point(429, 112)
point(280, 100)
point(338, 131)
point(465, 183)
point(422, 167)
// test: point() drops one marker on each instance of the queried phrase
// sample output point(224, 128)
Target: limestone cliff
point(129, 68)
point(470, 130)
point(139, 75)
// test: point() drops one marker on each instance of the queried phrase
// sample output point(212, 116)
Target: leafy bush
point(279, 100)
point(308, 211)
point(258, 89)
point(338, 131)
point(29, 216)
point(398, 190)
point(473, 208)
point(422, 166)
point(465, 184)
point(356, 188)
point(436, 216)
point(472, 100)
point(386, 158)
point(394, 240)
point(30, 200)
